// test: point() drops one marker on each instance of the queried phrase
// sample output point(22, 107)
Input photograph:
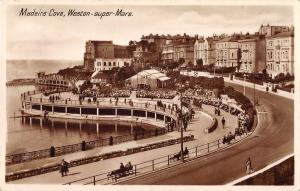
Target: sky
point(64, 37)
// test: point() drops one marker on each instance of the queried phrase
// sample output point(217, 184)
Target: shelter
point(148, 79)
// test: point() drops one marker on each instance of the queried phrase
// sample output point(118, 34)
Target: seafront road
point(272, 140)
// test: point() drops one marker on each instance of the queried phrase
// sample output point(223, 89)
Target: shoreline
point(20, 82)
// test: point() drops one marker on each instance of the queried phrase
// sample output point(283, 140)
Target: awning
point(94, 74)
point(164, 78)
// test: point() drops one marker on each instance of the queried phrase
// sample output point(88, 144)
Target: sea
point(25, 134)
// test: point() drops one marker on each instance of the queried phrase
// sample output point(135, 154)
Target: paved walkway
point(196, 127)
point(241, 82)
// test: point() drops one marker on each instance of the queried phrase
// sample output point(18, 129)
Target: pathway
point(196, 127)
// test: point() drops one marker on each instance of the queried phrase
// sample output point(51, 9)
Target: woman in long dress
point(248, 166)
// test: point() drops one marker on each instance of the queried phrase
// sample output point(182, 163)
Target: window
point(109, 63)
point(271, 55)
point(232, 56)
point(270, 43)
point(104, 63)
point(114, 63)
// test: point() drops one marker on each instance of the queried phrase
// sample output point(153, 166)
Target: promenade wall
point(278, 174)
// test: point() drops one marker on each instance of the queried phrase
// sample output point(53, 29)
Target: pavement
point(260, 88)
point(241, 82)
point(272, 140)
point(196, 127)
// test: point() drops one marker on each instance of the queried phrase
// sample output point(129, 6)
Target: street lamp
point(181, 130)
point(244, 84)
point(254, 101)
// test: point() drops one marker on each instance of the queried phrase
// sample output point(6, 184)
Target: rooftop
point(283, 34)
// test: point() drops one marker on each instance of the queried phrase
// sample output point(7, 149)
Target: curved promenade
point(272, 140)
point(36, 104)
point(196, 127)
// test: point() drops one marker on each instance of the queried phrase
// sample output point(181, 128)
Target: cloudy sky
point(64, 37)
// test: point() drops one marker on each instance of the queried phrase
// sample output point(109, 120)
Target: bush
point(247, 106)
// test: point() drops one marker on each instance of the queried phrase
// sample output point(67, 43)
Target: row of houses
point(271, 48)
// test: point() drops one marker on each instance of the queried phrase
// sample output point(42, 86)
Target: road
point(271, 141)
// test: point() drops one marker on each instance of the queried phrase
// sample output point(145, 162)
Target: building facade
point(121, 51)
point(253, 53)
point(52, 82)
point(227, 52)
point(205, 50)
point(268, 30)
point(280, 53)
point(102, 49)
point(200, 50)
point(167, 54)
point(157, 40)
point(102, 64)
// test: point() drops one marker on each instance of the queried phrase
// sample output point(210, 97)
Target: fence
point(26, 97)
point(154, 164)
point(86, 160)
point(58, 151)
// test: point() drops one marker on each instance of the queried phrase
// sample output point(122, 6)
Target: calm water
point(35, 134)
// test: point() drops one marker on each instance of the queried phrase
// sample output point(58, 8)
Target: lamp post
point(244, 84)
point(254, 101)
point(181, 130)
point(222, 62)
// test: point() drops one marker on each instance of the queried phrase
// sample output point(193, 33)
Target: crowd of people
point(53, 98)
point(100, 93)
point(199, 92)
point(158, 94)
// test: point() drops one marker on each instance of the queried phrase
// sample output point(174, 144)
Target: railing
point(86, 160)
point(58, 151)
point(155, 164)
point(100, 102)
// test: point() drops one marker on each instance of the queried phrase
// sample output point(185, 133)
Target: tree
point(199, 63)
point(181, 61)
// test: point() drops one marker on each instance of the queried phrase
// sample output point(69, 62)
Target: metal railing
point(155, 164)
point(100, 102)
point(58, 151)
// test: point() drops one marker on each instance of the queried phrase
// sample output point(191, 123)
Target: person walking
point(66, 168)
point(223, 122)
point(249, 169)
point(62, 168)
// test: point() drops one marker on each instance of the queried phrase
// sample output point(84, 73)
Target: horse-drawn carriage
point(121, 172)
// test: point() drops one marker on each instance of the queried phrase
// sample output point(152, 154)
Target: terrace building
point(268, 30)
point(253, 53)
point(142, 55)
point(167, 54)
point(178, 48)
point(227, 52)
point(280, 53)
point(205, 50)
point(157, 40)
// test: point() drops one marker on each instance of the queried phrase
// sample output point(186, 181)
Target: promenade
point(196, 128)
point(242, 83)
point(272, 140)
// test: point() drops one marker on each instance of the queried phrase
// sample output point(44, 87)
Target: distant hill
point(19, 69)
